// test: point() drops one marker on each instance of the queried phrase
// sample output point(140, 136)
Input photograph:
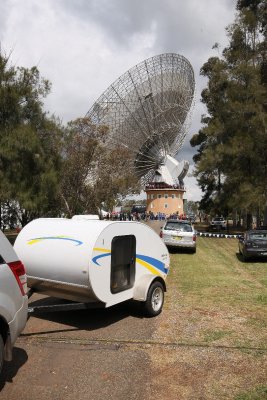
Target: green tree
point(115, 180)
point(231, 162)
point(29, 145)
point(192, 207)
point(93, 175)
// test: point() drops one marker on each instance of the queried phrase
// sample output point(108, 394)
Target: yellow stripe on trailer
point(150, 268)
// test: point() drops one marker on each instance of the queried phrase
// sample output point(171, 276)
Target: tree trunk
point(265, 216)
point(258, 218)
point(249, 221)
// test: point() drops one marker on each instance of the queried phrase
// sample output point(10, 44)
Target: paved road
point(156, 225)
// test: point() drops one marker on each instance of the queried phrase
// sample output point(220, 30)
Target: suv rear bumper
point(221, 226)
point(250, 252)
point(181, 243)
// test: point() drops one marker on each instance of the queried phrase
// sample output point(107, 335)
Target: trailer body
point(92, 261)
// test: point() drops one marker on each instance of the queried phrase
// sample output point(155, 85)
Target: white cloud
point(82, 46)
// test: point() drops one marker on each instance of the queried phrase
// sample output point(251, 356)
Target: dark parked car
point(253, 244)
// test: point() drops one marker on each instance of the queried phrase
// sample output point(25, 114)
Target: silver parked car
point(13, 299)
point(179, 233)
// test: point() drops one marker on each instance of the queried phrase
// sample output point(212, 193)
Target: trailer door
point(123, 253)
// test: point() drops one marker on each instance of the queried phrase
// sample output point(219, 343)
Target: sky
point(83, 46)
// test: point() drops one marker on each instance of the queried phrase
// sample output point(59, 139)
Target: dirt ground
point(115, 353)
point(188, 369)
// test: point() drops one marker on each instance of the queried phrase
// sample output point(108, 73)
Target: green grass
point(262, 299)
point(215, 275)
point(212, 336)
point(259, 393)
point(223, 298)
point(216, 307)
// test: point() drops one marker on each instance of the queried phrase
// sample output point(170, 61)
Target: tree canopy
point(29, 145)
point(93, 175)
point(231, 159)
point(47, 169)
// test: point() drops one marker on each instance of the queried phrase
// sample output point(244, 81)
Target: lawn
point(215, 281)
point(215, 315)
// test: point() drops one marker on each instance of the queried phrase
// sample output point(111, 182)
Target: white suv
point(179, 233)
point(13, 299)
point(218, 222)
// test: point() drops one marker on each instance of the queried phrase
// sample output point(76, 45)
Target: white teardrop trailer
point(95, 263)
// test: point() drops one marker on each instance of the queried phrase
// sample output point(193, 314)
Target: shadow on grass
point(181, 250)
point(254, 260)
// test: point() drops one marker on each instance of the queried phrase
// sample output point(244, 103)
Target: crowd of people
point(144, 216)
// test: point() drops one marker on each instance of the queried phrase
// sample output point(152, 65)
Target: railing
point(163, 185)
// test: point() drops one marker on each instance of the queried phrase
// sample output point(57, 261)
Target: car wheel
point(1, 353)
point(155, 299)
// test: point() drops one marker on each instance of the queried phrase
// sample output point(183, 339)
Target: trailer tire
point(155, 299)
point(2, 348)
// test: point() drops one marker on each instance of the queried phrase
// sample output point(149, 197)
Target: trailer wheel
point(1, 353)
point(155, 299)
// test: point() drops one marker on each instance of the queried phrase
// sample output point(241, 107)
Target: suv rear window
point(178, 226)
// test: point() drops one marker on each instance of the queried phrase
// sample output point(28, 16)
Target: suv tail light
point(19, 272)
point(160, 234)
point(194, 237)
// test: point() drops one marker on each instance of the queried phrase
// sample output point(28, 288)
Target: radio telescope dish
point(146, 110)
